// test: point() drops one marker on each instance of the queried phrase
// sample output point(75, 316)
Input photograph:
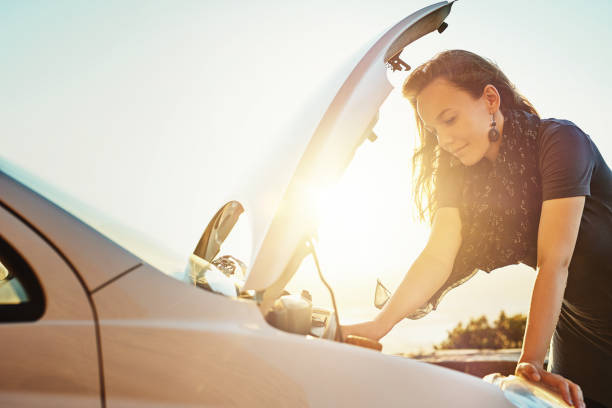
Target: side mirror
point(381, 295)
point(4, 273)
point(224, 275)
point(217, 230)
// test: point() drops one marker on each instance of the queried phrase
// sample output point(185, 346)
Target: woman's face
point(460, 122)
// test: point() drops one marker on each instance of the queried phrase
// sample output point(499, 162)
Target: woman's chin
point(467, 160)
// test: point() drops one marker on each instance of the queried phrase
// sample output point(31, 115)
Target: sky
point(127, 110)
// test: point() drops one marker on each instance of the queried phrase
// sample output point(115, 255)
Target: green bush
point(506, 332)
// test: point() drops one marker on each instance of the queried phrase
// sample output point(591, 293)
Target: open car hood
point(346, 124)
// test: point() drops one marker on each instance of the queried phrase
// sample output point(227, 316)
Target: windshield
point(141, 245)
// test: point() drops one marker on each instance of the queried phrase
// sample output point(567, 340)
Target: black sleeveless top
point(542, 160)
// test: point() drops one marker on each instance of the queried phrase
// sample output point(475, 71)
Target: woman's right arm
point(426, 275)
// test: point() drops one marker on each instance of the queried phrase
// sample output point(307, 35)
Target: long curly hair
point(466, 71)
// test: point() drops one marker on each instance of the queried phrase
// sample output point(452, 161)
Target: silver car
point(92, 316)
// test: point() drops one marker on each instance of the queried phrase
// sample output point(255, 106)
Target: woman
point(503, 186)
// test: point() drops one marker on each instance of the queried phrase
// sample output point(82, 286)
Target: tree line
point(506, 332)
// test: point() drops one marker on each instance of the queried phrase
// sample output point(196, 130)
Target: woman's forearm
point(546, 300)
point(423, 279)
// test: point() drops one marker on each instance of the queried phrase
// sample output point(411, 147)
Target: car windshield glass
point(150, 250)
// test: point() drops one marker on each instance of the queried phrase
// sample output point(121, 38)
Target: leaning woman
point(499, 186)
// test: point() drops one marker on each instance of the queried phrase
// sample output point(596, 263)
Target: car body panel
point(56, 357)
point(198, 347)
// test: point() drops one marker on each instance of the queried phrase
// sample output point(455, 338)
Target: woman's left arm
point(557, 234)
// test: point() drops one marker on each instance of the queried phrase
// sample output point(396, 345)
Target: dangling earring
point(493, 132)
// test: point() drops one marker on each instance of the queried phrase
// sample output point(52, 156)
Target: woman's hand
point(571, 392)
point(370, 329)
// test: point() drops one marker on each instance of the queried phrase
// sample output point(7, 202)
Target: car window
point(11, 290)
point(21, 297)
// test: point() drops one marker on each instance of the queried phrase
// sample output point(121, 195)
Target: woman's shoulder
point(552, 127)
point(567, 158)
point(558, 136)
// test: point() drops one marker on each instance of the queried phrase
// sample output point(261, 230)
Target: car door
point(48, 348)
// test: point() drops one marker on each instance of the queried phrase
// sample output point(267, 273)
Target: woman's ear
point(491, 97)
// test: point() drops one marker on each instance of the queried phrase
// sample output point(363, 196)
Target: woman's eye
point(450, 121)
